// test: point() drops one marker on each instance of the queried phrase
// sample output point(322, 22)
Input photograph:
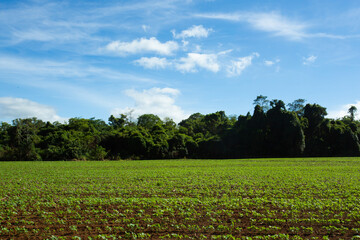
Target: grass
point(307, 198)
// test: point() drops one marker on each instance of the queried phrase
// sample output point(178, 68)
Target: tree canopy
point(271, 131)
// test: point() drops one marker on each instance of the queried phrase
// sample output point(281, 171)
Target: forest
point(274, 129)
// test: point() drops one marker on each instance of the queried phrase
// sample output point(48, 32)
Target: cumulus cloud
point(153, 62)
point(193, 61)
point(343, 111)
point(142, 45)
point(196, 31)
point(12, 108)
point(158, 101)
point(309, 60)
point(237, 67)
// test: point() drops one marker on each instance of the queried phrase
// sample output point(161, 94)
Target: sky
point(65, 59)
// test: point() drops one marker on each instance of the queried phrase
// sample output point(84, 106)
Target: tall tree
point(316, 131)
point(285, 136)
point(118, 122)
point(277, 104)
point(315, 114)
point(262, 102)
point(297, 106)
point(148, 121)
point(24, 138)
point(352, 111)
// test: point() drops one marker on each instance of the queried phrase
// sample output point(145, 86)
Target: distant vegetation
point(273, 130)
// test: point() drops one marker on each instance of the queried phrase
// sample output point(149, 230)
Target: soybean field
point(288, 198)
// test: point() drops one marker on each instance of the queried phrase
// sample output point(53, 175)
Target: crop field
point(310, 198)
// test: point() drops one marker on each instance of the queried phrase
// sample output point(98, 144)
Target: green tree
point(262, 102)
point(341, 139)
point(23, 139)
point(257, 133)
point(352, 111)
point(148, 121)
point(285, 136)
point(193, 125)
point(315, 114)
point(216, 123)
point(177, 146)
point(118, 122)
point(277, 105)
point(4, 140)
point(316, 134)
point(297, 106)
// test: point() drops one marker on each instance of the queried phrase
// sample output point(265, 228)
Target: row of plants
point(304, 198)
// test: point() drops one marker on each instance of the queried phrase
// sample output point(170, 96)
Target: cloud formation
point(153, 62)
point(196, 31)
point(71, 80)
point(12, 108)
point(309, 60)
point(268, 22)
point(271, 62)
point(143, 45)
point(56, 69)
point(277, 24)
point(343, 111)
point(237, 67)
point(193, 61)
point(158, 101)
point(274, 23)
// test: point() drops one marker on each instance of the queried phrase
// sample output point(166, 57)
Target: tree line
point(274, 129)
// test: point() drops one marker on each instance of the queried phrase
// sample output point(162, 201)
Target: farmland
point(300, 198)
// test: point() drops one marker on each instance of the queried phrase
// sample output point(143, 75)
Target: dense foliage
point(287, 198)
point(271, 131)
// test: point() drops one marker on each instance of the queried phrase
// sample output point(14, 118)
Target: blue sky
point(63, 59)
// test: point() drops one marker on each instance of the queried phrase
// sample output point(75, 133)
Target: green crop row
point(308, 198)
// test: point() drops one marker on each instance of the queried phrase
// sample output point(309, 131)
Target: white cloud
point(55, 22)
point(225, 52)
point(153, 62)
point(53, 76)
point(278, 25)
point(271, 62)
point(12, 108)
point(237, 67)
point(193, 61)
point(143, 45)
point(158, 101)
point(145, 28)
point(309, 60)
point(33, 35)
point(75, 70)
point(274, 23)
point(343, 111)
point(195, 31)
point(222, 16)
point(268, 22)
point(185, 43)
point(197, 48)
